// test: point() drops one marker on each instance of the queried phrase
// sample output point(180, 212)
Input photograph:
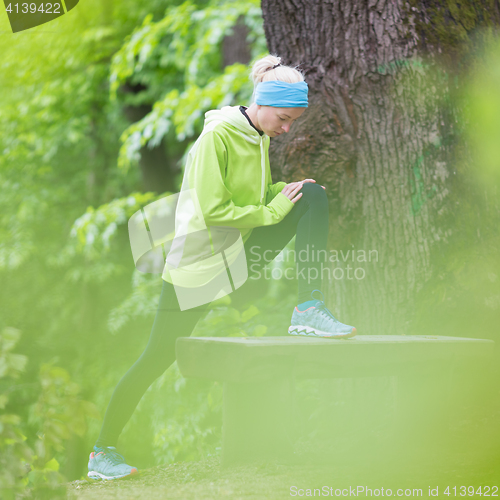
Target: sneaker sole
point(97, 476)
point(307, 331)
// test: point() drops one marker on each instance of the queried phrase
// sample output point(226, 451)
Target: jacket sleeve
point(207, 174)
point(273, 190)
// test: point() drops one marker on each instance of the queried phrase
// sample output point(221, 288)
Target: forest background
point(97, 111)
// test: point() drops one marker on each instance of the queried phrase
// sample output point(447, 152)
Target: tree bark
point(380, 134)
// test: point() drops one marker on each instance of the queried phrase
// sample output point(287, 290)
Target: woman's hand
point(291, 190)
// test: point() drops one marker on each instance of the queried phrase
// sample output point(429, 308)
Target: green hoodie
point(228, 171)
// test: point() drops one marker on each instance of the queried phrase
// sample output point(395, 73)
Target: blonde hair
point(262, 71)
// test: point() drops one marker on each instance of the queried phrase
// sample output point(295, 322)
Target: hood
point(234, 117)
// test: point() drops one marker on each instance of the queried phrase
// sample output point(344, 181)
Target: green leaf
point(3, 367)
point(249, 313)
point(17, 362)
point(9, 338)
point(10, 419)
point(52, 465)
point(260, 330)
point(3, 401)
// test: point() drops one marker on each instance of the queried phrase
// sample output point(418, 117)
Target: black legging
point(308, 219)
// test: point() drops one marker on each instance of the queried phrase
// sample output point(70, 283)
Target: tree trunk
point(235, 48)
point(156, 168)
point(379, 134)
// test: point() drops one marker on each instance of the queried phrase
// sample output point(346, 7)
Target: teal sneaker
point(318, 321)
point(107, 463)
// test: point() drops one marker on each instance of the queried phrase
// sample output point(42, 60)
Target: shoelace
point(322, 309)
point(113, 456)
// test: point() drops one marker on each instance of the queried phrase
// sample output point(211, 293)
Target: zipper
point(263, 167)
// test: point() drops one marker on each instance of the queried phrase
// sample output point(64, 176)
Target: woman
point(228, 169)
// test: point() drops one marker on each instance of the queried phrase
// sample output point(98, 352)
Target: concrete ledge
point(259, 375)
point(246, 359)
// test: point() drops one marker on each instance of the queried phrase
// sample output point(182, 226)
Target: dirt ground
point(469, 463)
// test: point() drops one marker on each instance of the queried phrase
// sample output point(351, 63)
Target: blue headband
point(281, 94)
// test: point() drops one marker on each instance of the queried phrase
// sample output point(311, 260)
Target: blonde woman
point(228, 168)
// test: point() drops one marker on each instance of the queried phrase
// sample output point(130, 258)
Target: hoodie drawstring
point(263, 166)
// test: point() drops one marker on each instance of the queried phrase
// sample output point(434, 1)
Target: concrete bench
point(259, 375)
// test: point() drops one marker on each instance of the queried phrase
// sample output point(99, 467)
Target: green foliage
point(142, 302)
point(184, 111)
point(227, 321)
point(59, 411)
point(92, 232)
point(178, 58)
point(64, 207)
point(56, 130)
point(14, 452)
point(58, 414)
point(183, 48)
point(483, 112)
point(189, 427)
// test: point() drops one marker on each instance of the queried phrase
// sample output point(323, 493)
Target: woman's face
point(274, 121)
